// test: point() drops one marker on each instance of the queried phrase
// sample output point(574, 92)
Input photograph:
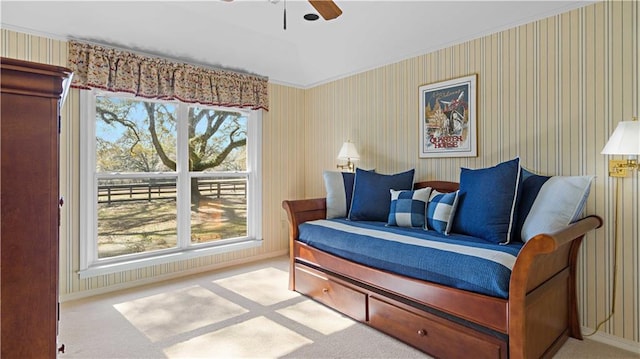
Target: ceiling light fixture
point(311, 17)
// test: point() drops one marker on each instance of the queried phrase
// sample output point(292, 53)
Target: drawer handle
point(422, 332)
point(325, 290)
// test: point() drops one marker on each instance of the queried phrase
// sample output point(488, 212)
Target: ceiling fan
point(326, 8)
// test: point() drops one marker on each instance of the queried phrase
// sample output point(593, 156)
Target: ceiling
point(248, 35)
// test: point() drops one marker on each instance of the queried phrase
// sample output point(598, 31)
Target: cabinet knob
point(325, 290)
point(422, 332)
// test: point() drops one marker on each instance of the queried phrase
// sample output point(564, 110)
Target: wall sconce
point(348, 152)
point(625, 140)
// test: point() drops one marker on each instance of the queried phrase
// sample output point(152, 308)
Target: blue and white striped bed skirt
point(458, 261)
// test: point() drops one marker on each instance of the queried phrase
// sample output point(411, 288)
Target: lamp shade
point(625, 140)
point(348, 151)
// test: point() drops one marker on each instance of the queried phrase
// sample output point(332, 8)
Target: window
point(164, 181)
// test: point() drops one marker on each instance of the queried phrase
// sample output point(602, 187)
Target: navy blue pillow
point(530, 187)
point(371, 200)
point(339, 188)
point(487, 203)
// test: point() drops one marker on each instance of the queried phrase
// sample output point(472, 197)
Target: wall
point(283, 179)
point(550, 92)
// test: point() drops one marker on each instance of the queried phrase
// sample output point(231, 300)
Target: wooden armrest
point(548, 242)
point(554, 248)
point(545, 267)
point(300, 211)
point(303, 210)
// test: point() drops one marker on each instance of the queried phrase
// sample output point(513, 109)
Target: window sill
point(102, 269)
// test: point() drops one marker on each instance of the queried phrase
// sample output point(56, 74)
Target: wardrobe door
point(29, 201)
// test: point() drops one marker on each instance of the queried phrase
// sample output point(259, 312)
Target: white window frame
point(91, 265)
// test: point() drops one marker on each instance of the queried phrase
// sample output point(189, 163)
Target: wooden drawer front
point(328, 291)
point(431, 334)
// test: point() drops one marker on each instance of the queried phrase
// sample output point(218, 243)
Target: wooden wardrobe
point(32, 95)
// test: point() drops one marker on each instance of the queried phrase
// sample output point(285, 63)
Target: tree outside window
point(141, 165)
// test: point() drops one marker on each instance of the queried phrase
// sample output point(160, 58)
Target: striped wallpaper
point(550, 92)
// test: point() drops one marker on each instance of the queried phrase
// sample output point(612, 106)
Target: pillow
point(530, 185)
point(371, 200)
point(408, 208)
point(487, 203)
point(560, 201)
point(441, 210)
point(339, 188)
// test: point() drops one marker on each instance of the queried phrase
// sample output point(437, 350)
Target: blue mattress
point(458, 261)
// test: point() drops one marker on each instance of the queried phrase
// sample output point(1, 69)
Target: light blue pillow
point(559, 202)
point(371, 200)
point(339, 188)
point(441, 210)
point(408, 208)
point(487, 202)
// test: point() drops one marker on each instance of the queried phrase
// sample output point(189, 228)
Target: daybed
point(533, 318)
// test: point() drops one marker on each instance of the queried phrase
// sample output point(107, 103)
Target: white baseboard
point(160, 278)
point(612, 340)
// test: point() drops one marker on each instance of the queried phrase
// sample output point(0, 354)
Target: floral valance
point(116, 70)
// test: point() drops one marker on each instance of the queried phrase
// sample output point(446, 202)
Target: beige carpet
point(242, 312)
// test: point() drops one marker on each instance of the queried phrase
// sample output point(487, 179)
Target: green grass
point(144, 226)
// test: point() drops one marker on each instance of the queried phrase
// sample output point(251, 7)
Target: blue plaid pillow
point(441, 210)
point(408, 208)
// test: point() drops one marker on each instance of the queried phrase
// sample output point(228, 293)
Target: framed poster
point(448, 116)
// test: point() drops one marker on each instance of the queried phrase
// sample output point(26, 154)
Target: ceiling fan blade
point(327, 8)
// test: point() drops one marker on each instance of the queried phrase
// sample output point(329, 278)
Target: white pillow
point(339, 193)
point(560, 202)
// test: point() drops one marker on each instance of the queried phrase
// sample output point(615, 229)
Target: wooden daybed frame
point(539, 316)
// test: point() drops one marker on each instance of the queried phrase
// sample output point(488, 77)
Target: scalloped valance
point(116, 70)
